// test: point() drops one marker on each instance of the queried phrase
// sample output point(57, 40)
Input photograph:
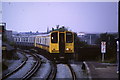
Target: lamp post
point(117, 42)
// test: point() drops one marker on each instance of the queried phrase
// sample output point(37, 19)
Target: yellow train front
point(60, 45)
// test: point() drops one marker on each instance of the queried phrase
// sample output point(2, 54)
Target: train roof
point(43, 34)
point(61, 31)
point(31, 35)
point(23, 35)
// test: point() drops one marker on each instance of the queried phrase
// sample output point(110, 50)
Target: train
point(58, 44)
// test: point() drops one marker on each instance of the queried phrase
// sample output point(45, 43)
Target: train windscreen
point(54, 37)
point(69, 37)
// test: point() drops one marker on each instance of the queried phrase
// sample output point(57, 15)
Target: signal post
point(103, 50)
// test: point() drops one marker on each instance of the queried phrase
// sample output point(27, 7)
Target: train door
point(61, 43)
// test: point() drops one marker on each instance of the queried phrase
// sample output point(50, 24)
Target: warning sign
point(103, 47)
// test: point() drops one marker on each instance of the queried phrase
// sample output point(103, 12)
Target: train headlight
point(67, 49)
point(52, 37)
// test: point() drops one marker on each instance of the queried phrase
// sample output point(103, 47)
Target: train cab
point(62, 42)
point(69, 42)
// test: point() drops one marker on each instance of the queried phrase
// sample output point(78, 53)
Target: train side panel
point(42, 42)
point(69, 42)
point(54, 46)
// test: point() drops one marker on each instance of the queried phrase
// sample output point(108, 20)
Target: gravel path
point(63, 71)
point(25, 68)
point(12, 64)
point(43, 71)
point(78, 71)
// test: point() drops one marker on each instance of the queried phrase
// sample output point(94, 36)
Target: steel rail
point(53, 71)
point(72, 72)
point(16, 69)
point(34, 69)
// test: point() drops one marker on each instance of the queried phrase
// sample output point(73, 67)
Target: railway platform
point(101, 71)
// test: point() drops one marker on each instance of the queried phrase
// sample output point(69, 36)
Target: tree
point(110, 45)
point(63, 28)
point(37, 32)
point(78, 44)
point(52, 29)
point(109, 38)
point(30, 31)
point(57, 26)
point(4, 38)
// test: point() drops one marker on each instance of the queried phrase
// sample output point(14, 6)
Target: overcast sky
point(77, 16)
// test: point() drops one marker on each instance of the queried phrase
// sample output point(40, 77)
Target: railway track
point(17, 68)
point(34, 69)
point(36, 66)
point(30, 72)
point(72, 72)
point(53, 72)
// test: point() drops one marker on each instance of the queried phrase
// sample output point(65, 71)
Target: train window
point(15, 39)
point(54, 37)
point(40, 39)
point(33, 39)
point(18, 39)
point(45, 40)
point(37, 40)
point(69, 37)
point(29, 39)
point(26, 39)
point(22, 39)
